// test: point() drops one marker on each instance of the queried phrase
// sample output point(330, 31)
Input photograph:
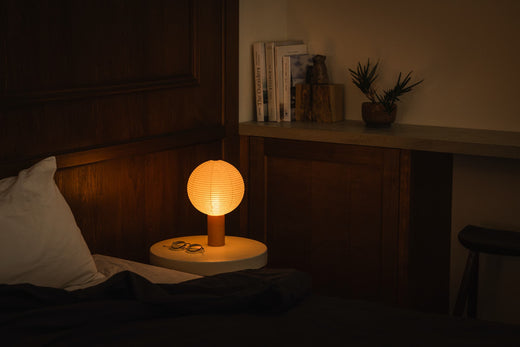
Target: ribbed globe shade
point(215, 187)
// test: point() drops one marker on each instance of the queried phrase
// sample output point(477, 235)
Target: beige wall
point(468, 53)
point(465, 50)
point(259, 20)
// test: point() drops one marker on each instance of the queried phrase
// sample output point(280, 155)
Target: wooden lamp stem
point(216, 230)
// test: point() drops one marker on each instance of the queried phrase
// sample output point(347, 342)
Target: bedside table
point(238, 253)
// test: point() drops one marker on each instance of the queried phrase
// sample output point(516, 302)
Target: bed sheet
point(109, 266)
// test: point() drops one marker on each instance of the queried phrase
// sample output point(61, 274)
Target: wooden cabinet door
point(330, 210)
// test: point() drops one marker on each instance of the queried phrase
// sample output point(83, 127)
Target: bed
point(258, 314)
point(57, 294)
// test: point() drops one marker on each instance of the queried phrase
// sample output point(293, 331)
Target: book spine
point(286, 105)
point(264, 85)
point(300, 65)
point(271, 82)
point(260, 82)
point(280, 52)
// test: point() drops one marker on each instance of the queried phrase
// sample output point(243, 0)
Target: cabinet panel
point(288, 212)
point(365, 222)
point(346, 229)
point(324, 214)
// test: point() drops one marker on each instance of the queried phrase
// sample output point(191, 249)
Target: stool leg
point(465, 284)
point(473, 289)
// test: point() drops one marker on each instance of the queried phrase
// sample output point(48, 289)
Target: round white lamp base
point(238, 253)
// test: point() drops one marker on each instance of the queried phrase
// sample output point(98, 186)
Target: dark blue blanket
point(246, 308)
point(28, 312)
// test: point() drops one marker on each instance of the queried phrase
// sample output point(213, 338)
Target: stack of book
point(278, 67)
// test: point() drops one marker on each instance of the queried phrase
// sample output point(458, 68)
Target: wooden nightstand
point(237, 254)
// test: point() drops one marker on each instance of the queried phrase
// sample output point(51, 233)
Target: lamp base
point(216, 230)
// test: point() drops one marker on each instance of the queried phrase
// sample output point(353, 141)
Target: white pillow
point(40, 242)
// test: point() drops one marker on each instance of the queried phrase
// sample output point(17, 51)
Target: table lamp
point(215, 188)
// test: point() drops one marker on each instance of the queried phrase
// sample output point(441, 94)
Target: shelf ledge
point(491, 143)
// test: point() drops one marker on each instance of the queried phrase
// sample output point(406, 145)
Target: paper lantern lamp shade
point(215, 188)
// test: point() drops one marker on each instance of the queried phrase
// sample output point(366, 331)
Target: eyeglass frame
point(186, 246)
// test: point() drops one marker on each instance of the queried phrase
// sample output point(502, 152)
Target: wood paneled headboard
point(130, 96)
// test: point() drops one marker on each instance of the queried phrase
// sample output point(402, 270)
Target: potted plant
point(380, 111)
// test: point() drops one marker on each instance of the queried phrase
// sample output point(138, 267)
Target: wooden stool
point(477, 240)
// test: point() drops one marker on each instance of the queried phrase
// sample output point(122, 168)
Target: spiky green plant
point(364, 78)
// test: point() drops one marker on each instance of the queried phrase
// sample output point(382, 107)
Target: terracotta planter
point(375, 115)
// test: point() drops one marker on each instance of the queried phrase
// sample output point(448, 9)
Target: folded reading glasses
point(188, 247)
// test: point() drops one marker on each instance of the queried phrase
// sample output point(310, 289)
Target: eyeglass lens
point(188, 247)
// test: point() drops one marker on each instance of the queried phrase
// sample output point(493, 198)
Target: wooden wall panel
point(130, 96)
point(78, 75)
point(125, 205)
point(101, 43)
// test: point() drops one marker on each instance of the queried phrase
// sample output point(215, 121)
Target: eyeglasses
point(188, 247)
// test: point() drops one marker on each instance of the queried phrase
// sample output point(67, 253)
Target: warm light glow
point(215, 187)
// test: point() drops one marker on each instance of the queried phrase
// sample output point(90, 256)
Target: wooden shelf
point(502, 144)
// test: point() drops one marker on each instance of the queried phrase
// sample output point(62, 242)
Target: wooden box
point(319, 102)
